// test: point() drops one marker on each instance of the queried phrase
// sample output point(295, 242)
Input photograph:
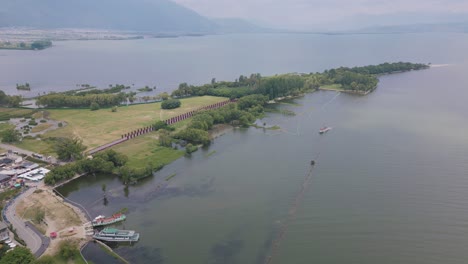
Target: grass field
point(334, 87)
point(7, 113)
point(145, 150)
point(5, 126)
point(96, 128)
point(40, 127)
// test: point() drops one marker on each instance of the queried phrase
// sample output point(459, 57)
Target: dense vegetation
point(10, 135)
point(243, 113)
point(35, 45)
point(41, 44)
point(359, 79)
point(107, 161)
point(88, 89)
point(19, 255)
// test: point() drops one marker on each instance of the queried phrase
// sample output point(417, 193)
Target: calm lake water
point(390, 184)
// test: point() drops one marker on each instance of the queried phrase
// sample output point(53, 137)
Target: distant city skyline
point(310, 14)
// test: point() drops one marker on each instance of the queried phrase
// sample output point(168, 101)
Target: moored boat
point(102, 220)
point(116, 235)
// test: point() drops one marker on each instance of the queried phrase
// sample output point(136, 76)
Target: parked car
point(37, 156)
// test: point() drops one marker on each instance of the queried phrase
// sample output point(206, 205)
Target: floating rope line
point(298, 199)
point(291, 215)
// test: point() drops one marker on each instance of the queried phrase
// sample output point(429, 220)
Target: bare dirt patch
point(59, 217)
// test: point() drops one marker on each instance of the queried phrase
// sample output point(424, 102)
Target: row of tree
point(63, 100)
point(10, 100)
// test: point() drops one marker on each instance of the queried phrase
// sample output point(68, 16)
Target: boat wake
point(440, 65)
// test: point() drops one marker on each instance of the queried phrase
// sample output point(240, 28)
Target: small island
point(24, 87)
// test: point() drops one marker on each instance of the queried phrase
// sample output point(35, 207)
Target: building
point(4, 233)
point(4, 178)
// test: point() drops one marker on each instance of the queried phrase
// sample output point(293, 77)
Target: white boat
point(116, 235)
point(324, 130)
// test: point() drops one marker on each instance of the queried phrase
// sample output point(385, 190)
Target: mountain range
point(156, 16)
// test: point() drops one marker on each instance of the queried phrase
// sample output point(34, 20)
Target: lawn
point(145, 150)
point(96, 128)
point(39, 146)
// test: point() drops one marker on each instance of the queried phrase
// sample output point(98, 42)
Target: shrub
point(60, 124)
point(189, 148)
point(94, 106)
point(159, 125)
point(43, 121)
point(32, 123)
point(114, 109)
point(170, 104)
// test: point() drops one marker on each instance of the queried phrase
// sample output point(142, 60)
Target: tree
point(165, 139)
point(164, 96)
point(19, 255)
point(68, 250)
point(69, 149)
point(10, 135)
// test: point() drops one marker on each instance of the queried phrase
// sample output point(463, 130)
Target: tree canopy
point(19, 255)
point(69, 149)
point(10, 135)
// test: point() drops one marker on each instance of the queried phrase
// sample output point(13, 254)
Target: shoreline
point(357, 92)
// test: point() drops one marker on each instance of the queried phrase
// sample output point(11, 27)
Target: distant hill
point(136, 15)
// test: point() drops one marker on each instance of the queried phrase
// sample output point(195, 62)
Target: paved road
point(24, 151)
point(33, 240)
point(45, 240)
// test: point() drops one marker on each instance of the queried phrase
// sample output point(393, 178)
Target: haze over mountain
point(138, 15)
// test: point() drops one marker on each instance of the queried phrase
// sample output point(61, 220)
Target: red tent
point(53, 234)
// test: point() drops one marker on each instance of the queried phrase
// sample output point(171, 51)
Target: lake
point(390, 184)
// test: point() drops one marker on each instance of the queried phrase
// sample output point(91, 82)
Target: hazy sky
point(304, 14)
